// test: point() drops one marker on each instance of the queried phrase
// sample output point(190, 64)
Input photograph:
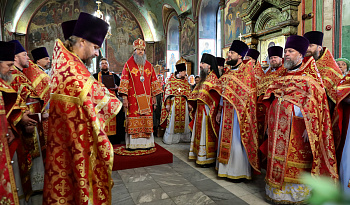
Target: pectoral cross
point(179, 89)
point(280, 99)
point(240, 36)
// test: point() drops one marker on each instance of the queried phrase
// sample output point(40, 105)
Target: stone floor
point(181, 183)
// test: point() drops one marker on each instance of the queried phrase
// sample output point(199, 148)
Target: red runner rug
point(160, 156)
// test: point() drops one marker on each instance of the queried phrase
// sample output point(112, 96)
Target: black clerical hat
point(275, 51)
point(314, 37)
point(211, 60)
point(180, 67)
point(91, 28)
point(68, 28)
point(220, 61)
point(298, 43)
point(39, 53)
point(253, 53)
point(19, 47)
point(7, 51)
point(239, 47)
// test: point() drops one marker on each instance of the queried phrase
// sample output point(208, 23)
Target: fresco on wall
point(45, 27)
point(149, 52)
point(234, 26)
point(188, 38)
point(159, 51)
point(182, 4)
point(207, 19)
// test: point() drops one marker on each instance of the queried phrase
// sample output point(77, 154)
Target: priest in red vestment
point(37, 74)
point(175, 113)
point(42, 59)
point(33, 140)
point(204, 128)
point(8, 107)
point(330, 73)
point(221, 65)
point(79, 155)
point(275, 70)
point(238, 135)
point(343, 149)
point(299, 131)
point(139, 87)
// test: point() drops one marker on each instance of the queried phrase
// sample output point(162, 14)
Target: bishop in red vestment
point(139, 86)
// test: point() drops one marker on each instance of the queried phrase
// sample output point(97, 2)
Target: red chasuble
point(238, 90)
point(330, 73)
point(8, 192)
point(262, 86)
point(111, 127)
point(258, 72)
point(198, 99)
point(28, 148)
point(181, 90)
point(40, 81)
point(288, 154)
point(342, 115)
point(139, 94)
point(79, 155)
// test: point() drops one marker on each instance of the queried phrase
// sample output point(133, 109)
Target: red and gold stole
point(198, 99)
point(8, 192)
point(40, 81)
point(330, 73)
point(238, 90)
point(139, 94)
point(258, 72)
point(181, 90)
point(22, 143)
point(341, 115)
point(12, 103)
point(79, 155)
point(288, 154)
point(262, 86)
point(111, 127)
point(23, 86)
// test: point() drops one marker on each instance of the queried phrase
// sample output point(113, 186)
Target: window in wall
point(207, 27)
point(172, 44)
point(218, 33)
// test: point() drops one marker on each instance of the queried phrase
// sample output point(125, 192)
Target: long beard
point(203, 75)
point(289, 64)
point(221, 71)
point(7, 77)
point(140, 60)
point(232, 62)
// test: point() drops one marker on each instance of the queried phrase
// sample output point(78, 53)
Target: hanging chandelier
point(99, 14)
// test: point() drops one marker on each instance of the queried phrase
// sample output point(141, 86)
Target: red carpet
point(161, 156)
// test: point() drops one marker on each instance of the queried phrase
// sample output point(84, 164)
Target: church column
point(222, 26)
point(289, 18)
point(250, 37)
